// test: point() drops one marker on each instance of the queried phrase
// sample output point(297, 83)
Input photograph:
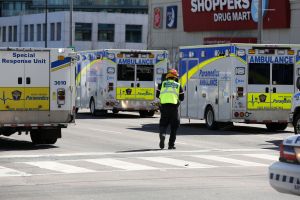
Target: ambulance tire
point(276, 126)
point(145, 113)
point(37, 137)
point(210, 122)
point(76, 110)
point(115, 111)
point(296, 124)
point(92, 107)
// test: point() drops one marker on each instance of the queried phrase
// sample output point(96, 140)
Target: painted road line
point(120, 164)
point(176, 162)
point(11, 172)
point(262, 156)
point(59, 167)
point(229, 160)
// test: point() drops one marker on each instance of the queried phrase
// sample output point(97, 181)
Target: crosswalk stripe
point(11, 172)
point(120, 164)
point(230, 160)
point(262, 156)
point(59, 167)
point(176, 162)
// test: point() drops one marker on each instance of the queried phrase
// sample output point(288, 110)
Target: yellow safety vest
point(169, 92)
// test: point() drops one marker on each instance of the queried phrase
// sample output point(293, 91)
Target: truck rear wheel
point(145, 113)
point(276, 126)
point(92, 107)
point(43, 137)
point(210, 122)
point(296, 124)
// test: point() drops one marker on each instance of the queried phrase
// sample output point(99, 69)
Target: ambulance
point(37, 92)
point(246, 83)
point(119, 80)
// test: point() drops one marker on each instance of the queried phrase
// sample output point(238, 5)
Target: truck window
point(144, 72)
point(126, 72)
point(282, 74)
point(259, 74)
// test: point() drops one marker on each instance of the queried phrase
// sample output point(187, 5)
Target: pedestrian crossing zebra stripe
point(262, 156)
point(11, 172)
point(120, 164)
point(59, 167)
point(177, 162)
point(230, 160)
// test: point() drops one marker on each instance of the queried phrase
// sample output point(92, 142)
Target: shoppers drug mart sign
point(207, 15)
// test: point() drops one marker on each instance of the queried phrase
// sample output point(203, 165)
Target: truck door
point(36, 80)
point(268, 86)
point(145, 84)
point(193, 91)
point(224, 104)
point(12, 82)
point(183, 106)
point(126, 81)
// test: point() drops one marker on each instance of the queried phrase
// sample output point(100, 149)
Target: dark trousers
point(169, 116)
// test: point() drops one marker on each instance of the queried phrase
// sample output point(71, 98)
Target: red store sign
point(216, 15)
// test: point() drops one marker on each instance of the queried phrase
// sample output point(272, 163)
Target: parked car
point(284, 175)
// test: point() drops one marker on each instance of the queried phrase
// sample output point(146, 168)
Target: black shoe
point(162, 142)
point(171, 147)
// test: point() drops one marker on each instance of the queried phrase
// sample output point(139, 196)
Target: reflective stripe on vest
point(169, 92)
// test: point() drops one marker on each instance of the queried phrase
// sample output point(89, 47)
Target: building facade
point(90, 30)
point(174, 23)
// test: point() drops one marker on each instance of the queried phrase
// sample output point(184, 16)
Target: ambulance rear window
point(144, 72)
point(126, 72)
point(259, 73)
point(282, 74)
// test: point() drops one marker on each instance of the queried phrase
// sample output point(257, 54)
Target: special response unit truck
point(37, 92)
point(119, 80)
point(247, 83)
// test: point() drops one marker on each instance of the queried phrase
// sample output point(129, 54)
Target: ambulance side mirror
point(298, 83)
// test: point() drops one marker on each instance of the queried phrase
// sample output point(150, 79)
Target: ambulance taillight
point(61, 96)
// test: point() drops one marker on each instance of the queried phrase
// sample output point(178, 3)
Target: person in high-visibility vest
point(170, 94)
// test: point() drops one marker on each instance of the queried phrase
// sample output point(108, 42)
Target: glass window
point(44, 32)
point(52, 31)
point(106, 32)
point(282, 74)
point(39, 32)
point(4, 34)
point(58, 31)
point(126, 72)
point(83, 31)
point(15, 33)
point(259, 74)
point(26, 33)
point(144, 72)
point(134, 33)
point(10, 34)
point(31, 32)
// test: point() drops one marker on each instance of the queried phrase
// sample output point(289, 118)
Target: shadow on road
point(200, 129)
point(138, 150)
point(120, 115)
point(7, 144)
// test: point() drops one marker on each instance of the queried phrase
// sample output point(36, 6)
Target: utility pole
point(71, 23)
point(46, 23)
point(259, 22)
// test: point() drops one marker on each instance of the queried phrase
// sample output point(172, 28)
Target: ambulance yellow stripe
point(60, 67)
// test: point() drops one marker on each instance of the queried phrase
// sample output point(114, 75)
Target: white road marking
point(120, 164)
point(230, 160)
point(11, 172)
point(262, 156)
point(130, 153)
point(177, 162)
point(106, 131)
point(59, 167)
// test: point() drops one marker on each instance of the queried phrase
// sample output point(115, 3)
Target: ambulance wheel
point(210, 122)
point(145, 113)
point(76, 110)
point(37, 137)
point(276, 126)
point(296, 124)
point(92, 107)
point(115, 111)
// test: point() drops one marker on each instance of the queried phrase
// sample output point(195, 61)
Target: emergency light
point(289, 154)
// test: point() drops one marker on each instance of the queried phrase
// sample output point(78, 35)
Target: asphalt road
point(117, 157)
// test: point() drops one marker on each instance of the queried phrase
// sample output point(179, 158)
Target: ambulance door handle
point(132, 84)
point(138, 85)
point(28, 80)
point(267, 90)
point(20, 80)
point(274, 90)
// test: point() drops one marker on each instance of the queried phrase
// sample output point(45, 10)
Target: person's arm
point(181, 94)
point(158, 91)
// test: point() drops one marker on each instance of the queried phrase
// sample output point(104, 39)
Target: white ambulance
point(247, 83)
point(37, 92)
point(119, 80)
